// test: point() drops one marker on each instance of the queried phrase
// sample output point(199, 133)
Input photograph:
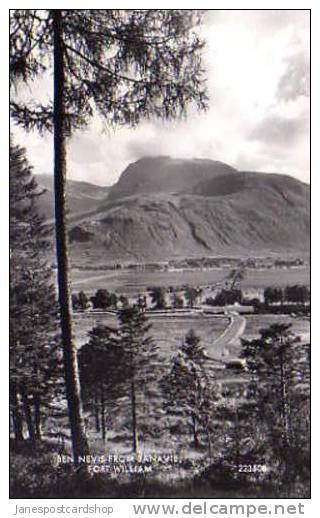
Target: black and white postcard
point(159, 255)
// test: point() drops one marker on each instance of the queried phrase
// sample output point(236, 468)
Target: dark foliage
point(35, 353)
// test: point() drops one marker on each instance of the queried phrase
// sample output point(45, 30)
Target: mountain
point(162, 208)
point(165, 174)
point(82, 196)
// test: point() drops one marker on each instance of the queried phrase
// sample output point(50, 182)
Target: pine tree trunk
point(78, 436)
point(37, 415)
point(28, 414)
point(284, 402)
point(103, 415)
point(96, 412)
point(134, 415)
point(209, 440)
point(16, 415)
point(195, 432)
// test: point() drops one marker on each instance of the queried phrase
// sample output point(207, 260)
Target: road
point(229, 337)
point(219, 350)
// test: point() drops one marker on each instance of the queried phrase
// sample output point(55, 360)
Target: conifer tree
point(101, 375)
point(280, 378)
point(187, 390)
point(35, 359)
point(139, 362)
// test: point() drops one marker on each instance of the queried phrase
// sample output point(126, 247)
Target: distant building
point(252, 293)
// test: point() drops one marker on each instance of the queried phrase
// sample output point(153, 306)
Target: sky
point(257, 64)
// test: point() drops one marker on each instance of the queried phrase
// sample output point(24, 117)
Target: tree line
point(160, 298)
point(295, 294)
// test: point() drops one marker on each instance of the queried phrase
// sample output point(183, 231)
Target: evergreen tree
point(187, 390)
point(139, 362)
point(123, 64)
point(297, 294)
point(273, 295)
point(225, 297)
point(101, 375)
point(280, 377)
point(75, 301)
point(35, 366)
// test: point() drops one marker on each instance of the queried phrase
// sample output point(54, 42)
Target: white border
point(122, 507)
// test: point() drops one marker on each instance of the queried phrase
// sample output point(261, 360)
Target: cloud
point(85, 149)
point(295, 81)
point(257, 65)
point(280, 131)
point(261, 20)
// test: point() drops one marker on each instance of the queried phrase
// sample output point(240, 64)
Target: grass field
point(168, 332)
point(130, 282)
point(300, 326)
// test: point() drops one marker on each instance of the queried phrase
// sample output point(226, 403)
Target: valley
point(159, 237)
point(133, 281)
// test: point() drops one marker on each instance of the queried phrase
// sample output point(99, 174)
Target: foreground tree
point(101, 375)
point(35, 375)
point(118, 368)
point(125, 64)
point(139, 361)
point(280, 379)
point(187, 389)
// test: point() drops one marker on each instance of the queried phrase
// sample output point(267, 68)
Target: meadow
point(300, 325)
point(168, 332)
point(130, 281)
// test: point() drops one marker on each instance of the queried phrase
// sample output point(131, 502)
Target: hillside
point(162, 208)
point(165, 174)
point(82, 196)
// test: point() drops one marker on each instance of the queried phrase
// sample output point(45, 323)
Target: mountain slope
point(213, 211)
point(81, 196)
point(165, 174)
